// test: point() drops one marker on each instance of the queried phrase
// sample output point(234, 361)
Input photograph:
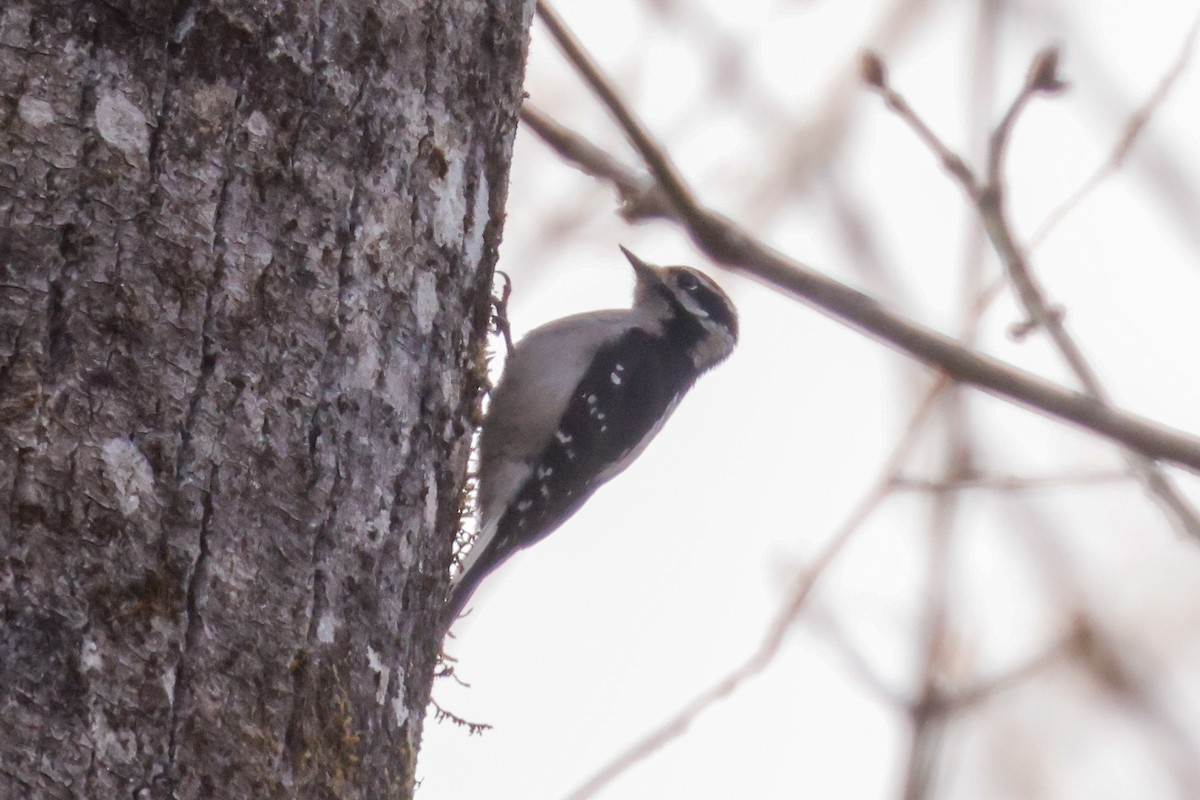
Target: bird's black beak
point(644, 271)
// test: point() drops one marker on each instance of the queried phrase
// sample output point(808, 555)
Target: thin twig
point(641, 198)
point(726, 243)
point(1130, 134)
point(825, 623)
point(660, 164)
point(985, 690)
point(473, 728)
point(989, 203)
point(875, 75)
point(1011, 483)
point(927, 724)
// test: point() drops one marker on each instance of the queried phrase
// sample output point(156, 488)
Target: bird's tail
point(464, 584)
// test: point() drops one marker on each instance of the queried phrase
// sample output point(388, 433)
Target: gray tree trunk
point(245, 254)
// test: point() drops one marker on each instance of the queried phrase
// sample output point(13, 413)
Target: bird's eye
point(687, 281)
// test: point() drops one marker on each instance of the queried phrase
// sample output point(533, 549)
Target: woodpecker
point(578, 401)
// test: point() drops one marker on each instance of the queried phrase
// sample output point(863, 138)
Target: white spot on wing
point(616, 378)
point(563, 437)
point(632, 453)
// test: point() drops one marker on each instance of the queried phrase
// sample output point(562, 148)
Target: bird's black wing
point(616, 409)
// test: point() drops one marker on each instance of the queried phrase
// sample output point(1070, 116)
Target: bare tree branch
point(1131, 134)
point(988, 200)
point(724, 242)
point(640, 196)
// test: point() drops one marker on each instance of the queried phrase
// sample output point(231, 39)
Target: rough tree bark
point(245, 252)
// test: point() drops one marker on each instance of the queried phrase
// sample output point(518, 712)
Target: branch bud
point(1043, 73)
point(872, 69)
